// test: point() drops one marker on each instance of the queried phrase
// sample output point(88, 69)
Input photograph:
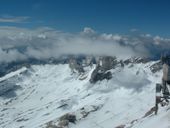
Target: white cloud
point(12, 19)
point(43, 43)
point(11, 55)
point(115, 37)
point(88, 30)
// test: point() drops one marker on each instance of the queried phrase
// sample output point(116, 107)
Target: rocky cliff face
point(75, 65)
point(136, 60)
point(156, 67)
point(101, 72)
point(106, 63)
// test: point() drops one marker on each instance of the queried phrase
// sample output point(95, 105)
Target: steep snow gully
point(37, 97)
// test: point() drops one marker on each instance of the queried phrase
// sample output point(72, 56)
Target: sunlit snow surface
point(41, 90)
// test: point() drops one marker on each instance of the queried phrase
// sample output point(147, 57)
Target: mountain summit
point(62, 95)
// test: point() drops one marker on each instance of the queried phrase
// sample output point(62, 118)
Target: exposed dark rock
point(101, 71)
point(78, 115)
point(106, 63)
point(88, 61)
point(99, 76)
point(63, 106)
point(75, 65)
point(63, 123)
point(151, 111)
point(70, 117)
point(121, 126)
point(133, 121)
point(51, 125)
point(141, 60)
point(156, 67)
point(22, 119)
point(85, 113)
point(136, 60)
point(121, 63)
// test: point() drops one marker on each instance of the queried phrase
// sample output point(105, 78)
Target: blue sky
point(110, 16)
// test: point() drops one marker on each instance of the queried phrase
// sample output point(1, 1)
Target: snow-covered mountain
point(42, 96)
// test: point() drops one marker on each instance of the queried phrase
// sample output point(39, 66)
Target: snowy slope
point(8, 81)
point(46, 92)
point(162, 120)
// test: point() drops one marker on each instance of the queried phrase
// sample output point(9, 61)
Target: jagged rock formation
point(69, 117)
point(88, 61)
point(156, 67)
point(106, 63)
point(75, 65)
point(98, 75)
point(66, 119)
point(101, 71)
point(136, 60)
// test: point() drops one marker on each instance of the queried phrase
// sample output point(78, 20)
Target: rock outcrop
point(101, 72)
point(66, 119)
point(98, 75)
point(106, 63)
point(75, 65)
point(136, 60)
point(156, 67)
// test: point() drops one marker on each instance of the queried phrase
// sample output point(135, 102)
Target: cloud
point(12, 19)
point(43, 43)
point(132, 80)
point(11, 55)
point(88, 30)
